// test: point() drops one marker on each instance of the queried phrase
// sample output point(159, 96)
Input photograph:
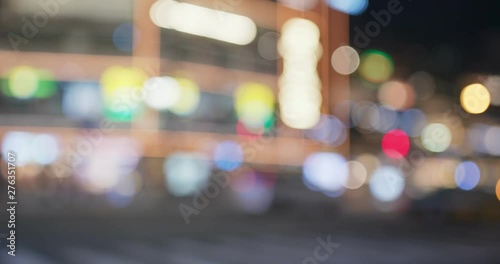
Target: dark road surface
point(234, 238)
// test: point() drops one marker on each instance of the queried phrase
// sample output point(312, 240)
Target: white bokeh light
point(387, 184)
point(161, 93)
point(327, 172)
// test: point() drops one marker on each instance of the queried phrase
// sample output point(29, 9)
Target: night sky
point(444, 37)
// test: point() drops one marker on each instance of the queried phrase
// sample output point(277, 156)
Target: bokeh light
point(412, 121)
point(82, 101)
point(268, 46)
point(19, 143)
point(351, 7)
point(498, 190)
point(254, 104)
point(22, 82)
point(433, 174)
point(161, 93)
point(186, 173)
point(41, 149)
point(491, 140)
point(189, 98)
point(386, 184)
point(125, 37)
point(369, 116)
point(47, 86)
point(122, 194)
point(467, 175)
point(492, 83)
point(345, 60)
point(44, 149)
point(476, 135)
point(395, 144)
point(228, 155)
point(326, 172)
point(256, 196)
point(121, 89)
point(25, 82)
point(357, 175)
point(382, 119)
point(293, 32)
point(396, 95)
point(242, 182)
point(446, 172)
point(202, 21)
point(436, 137)
point(249, 133)
point(300, 86)
point(376, 66)
point(361, 114)
point(475, 98)
point(329, 130)
point(107, 163)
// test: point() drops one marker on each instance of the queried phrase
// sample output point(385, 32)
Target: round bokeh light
point(395, 144)
point(228, 155)
point(326, 172)
point(376, 66)
point(387, 184)
point(345, 60)
point(436, 137)
point(475, 98)
point(467, 175)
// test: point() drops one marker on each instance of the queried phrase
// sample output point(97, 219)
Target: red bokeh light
point(396, 144)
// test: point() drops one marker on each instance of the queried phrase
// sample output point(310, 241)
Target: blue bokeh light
point(467, 175)
point(351, 7)
point(125, 37)
point(228, 155)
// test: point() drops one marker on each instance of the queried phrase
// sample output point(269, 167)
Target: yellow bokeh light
point(249, 92)
point(116, 80)
point(23, 82)
point(254, 104)
point(189, 97)
point(122, 92)
point(376, 66)
point(475, 98)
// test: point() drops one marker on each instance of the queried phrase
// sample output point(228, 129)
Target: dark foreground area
point(233, 238)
